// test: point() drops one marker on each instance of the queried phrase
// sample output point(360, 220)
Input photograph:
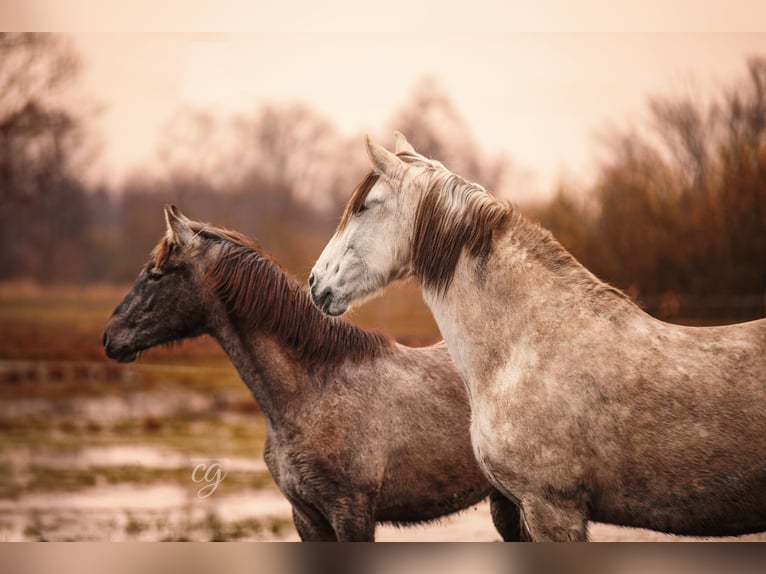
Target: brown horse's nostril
point(105, 340)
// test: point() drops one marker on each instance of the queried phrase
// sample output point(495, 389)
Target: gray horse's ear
point(383, 161)
point(402, 145)
point(177, 226)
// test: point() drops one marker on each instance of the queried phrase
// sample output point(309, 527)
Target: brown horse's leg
point(507, 518)
point(354, 519)
point(314, 528)
point(559, 520)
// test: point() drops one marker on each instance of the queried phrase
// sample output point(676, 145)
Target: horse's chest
point(518, 439)
point(286, 462)
point(491, 436)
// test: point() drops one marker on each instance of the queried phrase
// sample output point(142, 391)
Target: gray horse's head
point(373, 243)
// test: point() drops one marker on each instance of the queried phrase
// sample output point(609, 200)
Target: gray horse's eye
point(367, 205)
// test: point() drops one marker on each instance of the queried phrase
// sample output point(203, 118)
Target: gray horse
point(583, 406)
point(360, 429)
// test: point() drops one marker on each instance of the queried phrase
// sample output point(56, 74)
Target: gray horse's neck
point(528, 289)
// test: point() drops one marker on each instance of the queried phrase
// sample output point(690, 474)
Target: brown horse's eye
point(154, 275)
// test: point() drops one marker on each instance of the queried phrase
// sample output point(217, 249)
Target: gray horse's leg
point(507, 518)
point(314, 528)
point(559, 520)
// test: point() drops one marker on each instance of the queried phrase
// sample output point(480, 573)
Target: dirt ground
point(475, 524)
point(163, 512)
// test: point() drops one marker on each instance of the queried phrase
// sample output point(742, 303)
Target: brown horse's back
point(434, 457)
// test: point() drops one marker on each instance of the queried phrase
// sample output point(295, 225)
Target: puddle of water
point(126, 512)
point(109, 409)
point(260, 504)
point(114, 507)
point(474, 524)
point(125, 455)
point(117, 498)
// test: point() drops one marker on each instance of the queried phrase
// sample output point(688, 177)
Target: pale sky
point(536, 83)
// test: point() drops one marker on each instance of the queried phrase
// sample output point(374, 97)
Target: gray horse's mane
point(454, 215)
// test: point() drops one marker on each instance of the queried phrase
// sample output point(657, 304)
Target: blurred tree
point(681, 208)
point(569, 217)
point(38, 132)
point(434, 127)
point(270, 175)
point(43, 205)
point(290, 147)
point(741, 184)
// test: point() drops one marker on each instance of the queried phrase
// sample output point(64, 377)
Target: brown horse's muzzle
point(117, 352)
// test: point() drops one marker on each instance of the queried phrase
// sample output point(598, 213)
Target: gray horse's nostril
point(323, 299)
point(312, 280)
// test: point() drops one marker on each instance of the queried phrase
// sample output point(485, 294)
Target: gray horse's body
point(360, 429)
point(621, 417)
point(583, 406)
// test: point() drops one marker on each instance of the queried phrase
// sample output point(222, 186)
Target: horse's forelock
point(358, 197)
point(361, 191)
point(161, 252)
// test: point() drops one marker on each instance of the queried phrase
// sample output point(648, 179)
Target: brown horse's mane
point(255, 288)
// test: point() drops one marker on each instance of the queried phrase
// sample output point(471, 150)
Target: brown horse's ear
point(177, 226)
point(383, 161)
point(402, 145)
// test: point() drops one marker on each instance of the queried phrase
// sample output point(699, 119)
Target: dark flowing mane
point(453, 215)
point(255, 288)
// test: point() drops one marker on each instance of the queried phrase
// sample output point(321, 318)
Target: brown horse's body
point(583, 406)
point(360, 429)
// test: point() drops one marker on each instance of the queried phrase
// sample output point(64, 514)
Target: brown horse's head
point(167, 302)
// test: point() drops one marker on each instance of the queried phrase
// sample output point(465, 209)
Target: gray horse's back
point(689, 454)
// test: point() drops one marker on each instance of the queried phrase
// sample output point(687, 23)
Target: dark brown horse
point(360, 429)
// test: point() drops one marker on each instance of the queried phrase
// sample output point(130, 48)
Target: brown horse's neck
point(273, 376)
point(274, 334)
